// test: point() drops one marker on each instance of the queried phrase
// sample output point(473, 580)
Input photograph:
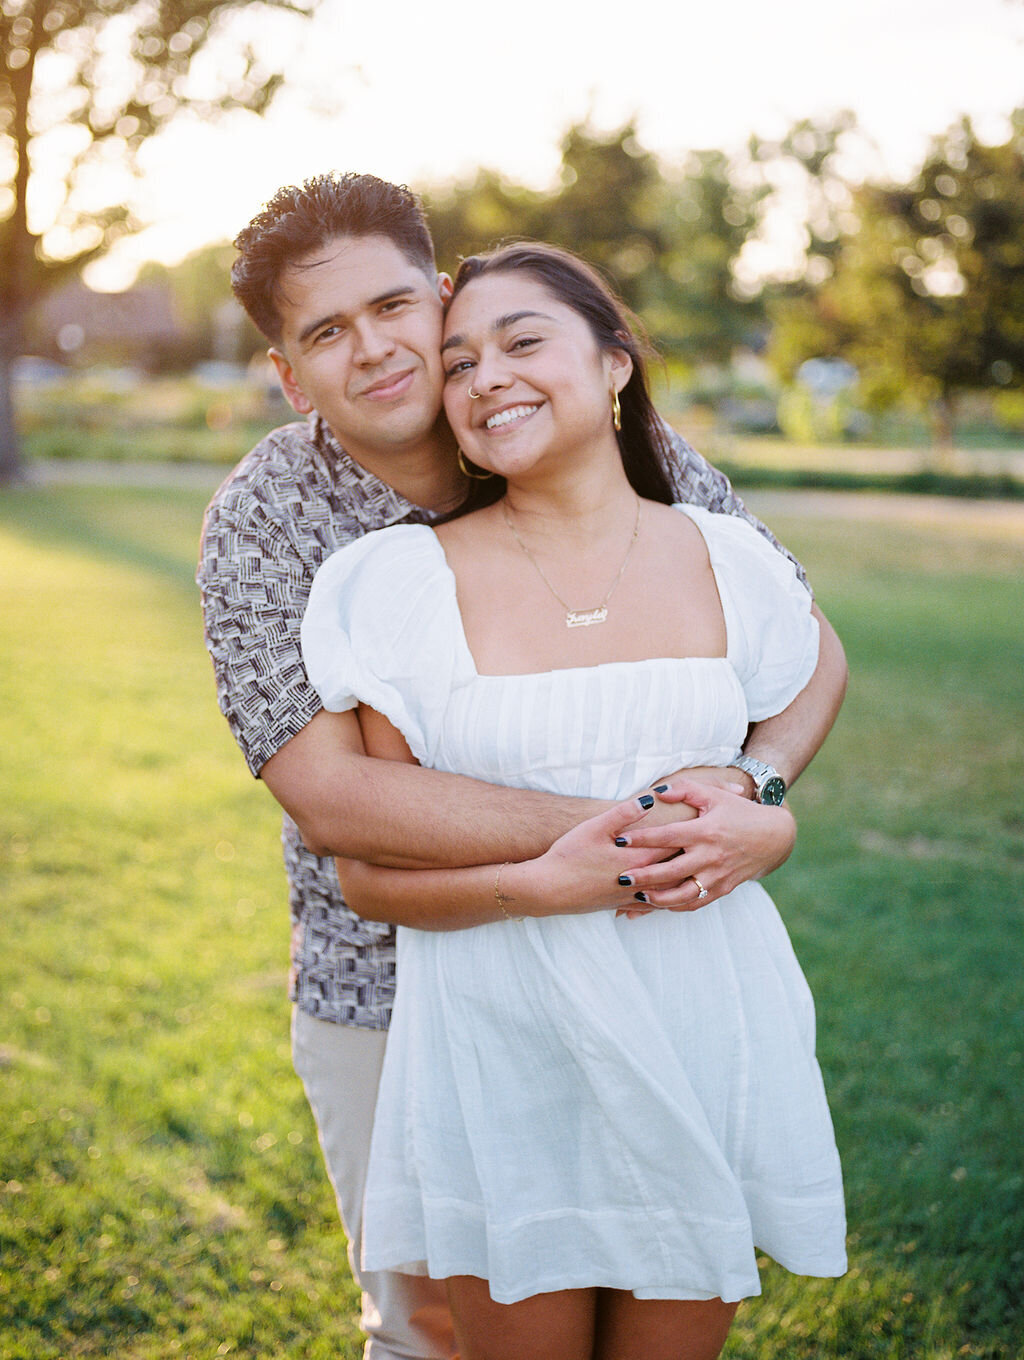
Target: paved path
point(1001, 519)
point(81, 472)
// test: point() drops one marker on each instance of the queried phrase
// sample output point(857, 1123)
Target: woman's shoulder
point(734, 544)
point(382, 555)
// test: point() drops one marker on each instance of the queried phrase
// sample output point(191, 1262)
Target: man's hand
point(726, 840)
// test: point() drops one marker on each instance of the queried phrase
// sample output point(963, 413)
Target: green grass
point(161, 1191)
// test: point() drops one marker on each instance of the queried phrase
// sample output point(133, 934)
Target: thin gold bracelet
point(499, 898)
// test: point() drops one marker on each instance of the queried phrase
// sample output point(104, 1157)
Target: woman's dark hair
point(573, 282)
point(299, 220)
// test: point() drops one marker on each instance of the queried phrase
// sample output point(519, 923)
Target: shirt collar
point(372, 502)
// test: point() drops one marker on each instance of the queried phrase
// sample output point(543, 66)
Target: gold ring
point(473, 396)
point(702, 892)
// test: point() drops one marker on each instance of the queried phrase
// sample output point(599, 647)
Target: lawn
point(161, 1191)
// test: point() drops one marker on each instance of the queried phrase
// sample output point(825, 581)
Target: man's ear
point(444, 288)
point(294, 394)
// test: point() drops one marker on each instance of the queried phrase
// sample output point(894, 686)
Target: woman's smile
point(511, 416)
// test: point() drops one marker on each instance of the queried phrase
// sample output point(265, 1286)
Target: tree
point(668, 241)
point(83, 84)
point(466, 219)
point(927, 294)
point(668, 238)
point(697, 308)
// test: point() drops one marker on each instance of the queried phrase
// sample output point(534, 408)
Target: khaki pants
point(405, 1317)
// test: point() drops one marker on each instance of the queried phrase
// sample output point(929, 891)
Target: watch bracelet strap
point(759, 770)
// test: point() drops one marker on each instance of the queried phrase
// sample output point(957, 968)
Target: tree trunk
point(943, 432)
point(12, 468)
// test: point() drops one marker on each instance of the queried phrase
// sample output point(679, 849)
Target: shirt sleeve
point(695, 481)
point(772, 634)
point(378, 631)
point(254, 585)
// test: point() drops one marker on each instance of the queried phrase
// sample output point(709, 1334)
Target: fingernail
point(661, 788)
point(621, 840)
point(625, 880)
point(640, 896)
point(646, 801)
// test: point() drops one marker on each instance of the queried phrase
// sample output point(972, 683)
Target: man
point(339, 275)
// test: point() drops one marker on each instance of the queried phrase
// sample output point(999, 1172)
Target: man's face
point(360, 343)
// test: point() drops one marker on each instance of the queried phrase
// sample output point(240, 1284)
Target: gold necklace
point(578, 618)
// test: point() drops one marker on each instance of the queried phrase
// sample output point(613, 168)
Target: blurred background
point(818, 213)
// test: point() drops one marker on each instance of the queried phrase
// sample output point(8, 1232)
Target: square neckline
point(463, 640)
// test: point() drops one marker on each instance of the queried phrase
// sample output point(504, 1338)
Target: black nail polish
point(625, 881)
point(661, 788)
point(640, 896)
point(646, 801)
point(621, 840)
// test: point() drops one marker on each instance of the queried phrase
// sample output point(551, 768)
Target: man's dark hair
point(579, 286)
point(300, 220)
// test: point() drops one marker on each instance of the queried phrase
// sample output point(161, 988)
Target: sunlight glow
point(455, 94)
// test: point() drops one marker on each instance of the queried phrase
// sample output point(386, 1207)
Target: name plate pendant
point(584, 618)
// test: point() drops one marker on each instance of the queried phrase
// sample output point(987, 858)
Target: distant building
point(139, 326)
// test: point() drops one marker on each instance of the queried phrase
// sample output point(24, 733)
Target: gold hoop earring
point(474, 396)
point(467, 469)
point(616, 410)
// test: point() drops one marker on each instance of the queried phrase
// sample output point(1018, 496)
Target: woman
point(587, 1122)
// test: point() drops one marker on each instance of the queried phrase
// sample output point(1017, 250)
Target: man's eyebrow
point(403, 290)
point(500, 323)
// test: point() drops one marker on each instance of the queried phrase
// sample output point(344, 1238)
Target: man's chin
point(400, 430)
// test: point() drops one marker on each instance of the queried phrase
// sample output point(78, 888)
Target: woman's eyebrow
point(500, 324)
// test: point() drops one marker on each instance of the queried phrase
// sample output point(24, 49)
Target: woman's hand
point(590, 868)
point(728, 841)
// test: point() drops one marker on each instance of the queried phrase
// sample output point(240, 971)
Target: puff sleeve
point(378, 631)
point(772, 635)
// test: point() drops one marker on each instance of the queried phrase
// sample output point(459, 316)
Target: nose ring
point(473, 396)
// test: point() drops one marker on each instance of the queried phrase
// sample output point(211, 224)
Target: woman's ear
point(620, 368)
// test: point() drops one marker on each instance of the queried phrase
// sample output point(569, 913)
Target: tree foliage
point(926, 296)
point(83, 84)
point(667, 239)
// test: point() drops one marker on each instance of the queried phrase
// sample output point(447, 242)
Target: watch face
point(773, 791)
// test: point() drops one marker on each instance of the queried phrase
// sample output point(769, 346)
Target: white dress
point(586, 1099)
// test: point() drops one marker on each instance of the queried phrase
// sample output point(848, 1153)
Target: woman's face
point(544, 385)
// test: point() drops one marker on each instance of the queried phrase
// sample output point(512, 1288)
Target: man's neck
point(425, 474)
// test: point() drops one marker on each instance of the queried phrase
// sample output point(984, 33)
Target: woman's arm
point(579, 872)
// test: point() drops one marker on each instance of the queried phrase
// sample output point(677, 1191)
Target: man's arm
point(791, 739)
point(389, 812)
point(344, 802)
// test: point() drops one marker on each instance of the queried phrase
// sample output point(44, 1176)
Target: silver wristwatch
point(769, 785)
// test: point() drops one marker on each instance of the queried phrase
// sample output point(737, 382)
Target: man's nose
point(373, 342)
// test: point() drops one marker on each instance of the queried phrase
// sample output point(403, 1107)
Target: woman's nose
point(492, 373)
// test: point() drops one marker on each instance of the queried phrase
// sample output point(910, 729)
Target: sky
point(423, 94)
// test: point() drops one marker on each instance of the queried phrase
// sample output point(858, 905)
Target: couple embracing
point(541, 722)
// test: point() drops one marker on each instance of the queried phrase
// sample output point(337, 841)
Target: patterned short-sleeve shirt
point(289, 504)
